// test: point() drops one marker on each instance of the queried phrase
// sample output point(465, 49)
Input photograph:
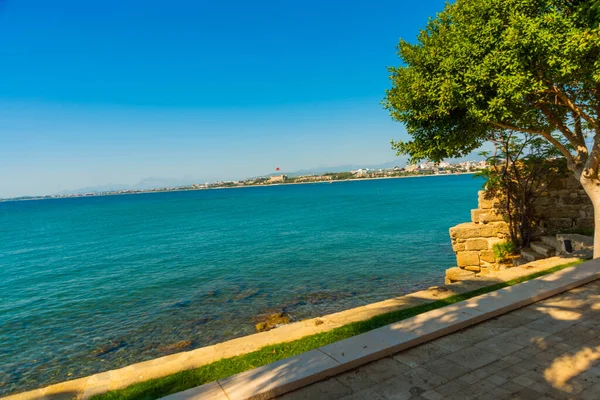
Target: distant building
point(360, 172)
point(412, 168)
point(277, 179)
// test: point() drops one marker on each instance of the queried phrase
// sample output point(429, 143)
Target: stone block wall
point(562, 207)
point(473, 241)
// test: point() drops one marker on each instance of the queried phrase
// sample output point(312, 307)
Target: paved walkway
point(548, 350)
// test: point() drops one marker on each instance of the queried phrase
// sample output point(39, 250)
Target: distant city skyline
point(165, 182)
point(113, 93)
point(323, 174)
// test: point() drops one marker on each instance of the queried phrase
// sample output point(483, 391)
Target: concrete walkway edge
point(295, 372)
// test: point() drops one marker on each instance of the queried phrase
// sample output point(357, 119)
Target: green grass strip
point(160, 387)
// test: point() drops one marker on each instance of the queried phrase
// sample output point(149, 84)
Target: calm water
point(92, 284)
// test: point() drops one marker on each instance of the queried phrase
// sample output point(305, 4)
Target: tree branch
point(590, 169)
point(564, 129)
point(565, 99)
point(546, 135)
point(578, 128)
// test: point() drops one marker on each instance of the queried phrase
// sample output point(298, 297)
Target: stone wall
point(564, 206)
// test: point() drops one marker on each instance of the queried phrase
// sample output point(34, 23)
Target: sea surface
point(97, 283)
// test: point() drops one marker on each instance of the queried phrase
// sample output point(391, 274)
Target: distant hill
point(144, 184)
point(94, 189)
point(153, 183)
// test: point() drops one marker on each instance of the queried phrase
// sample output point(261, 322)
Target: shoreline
point(235, 187)
point(87, 386)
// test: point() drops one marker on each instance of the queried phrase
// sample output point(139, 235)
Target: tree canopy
point(485, 65)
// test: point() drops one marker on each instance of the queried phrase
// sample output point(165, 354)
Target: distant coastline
point(258, 182)
point(349, 180)
point(166, 190)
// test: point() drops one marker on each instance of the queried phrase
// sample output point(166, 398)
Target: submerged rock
point(175, 347)
point(293, 304)
point(273, 321)
point(246, 294)
point(108, 347)
point(326, 297)
point(202, 320)
point(316, 298)
point(181, 304)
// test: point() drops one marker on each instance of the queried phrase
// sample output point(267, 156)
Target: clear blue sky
point(103, 92)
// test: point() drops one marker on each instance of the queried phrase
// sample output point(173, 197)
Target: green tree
point(530, 66)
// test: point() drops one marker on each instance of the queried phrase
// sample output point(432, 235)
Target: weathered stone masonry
point(563, 206)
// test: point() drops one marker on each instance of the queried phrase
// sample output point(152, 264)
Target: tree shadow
point(548, 348)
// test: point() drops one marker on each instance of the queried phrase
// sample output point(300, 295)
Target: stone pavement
point(549, 350)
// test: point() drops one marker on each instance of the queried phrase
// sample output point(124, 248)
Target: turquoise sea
point(91, 284)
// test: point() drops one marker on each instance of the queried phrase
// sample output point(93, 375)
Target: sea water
point(97, 283)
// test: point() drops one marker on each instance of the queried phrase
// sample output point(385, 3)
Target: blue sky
point(93, 93)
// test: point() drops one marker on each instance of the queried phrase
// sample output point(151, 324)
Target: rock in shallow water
point(273, 321)
point(175, 347)
point(246, 294)
point(181, 304)
point(317, 298)
point(328, 296)
point(108, 347)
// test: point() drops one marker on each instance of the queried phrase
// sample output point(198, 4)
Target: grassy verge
point(156, 388)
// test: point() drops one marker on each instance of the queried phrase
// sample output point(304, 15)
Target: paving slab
point(210, 391)
point(329, 389)
point(423, 354)
point(280, 377)
point(371, 345)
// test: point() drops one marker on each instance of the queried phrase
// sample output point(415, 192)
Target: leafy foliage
point(503, 250)
point(526, 65)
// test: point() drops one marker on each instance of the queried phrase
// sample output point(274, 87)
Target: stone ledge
point(294, 372)
point(470, 230)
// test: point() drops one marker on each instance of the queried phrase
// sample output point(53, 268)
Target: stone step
point(551, 241)
point(530, 255)
point(543, 249)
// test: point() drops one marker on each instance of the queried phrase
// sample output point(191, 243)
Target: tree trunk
point(592, 188)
